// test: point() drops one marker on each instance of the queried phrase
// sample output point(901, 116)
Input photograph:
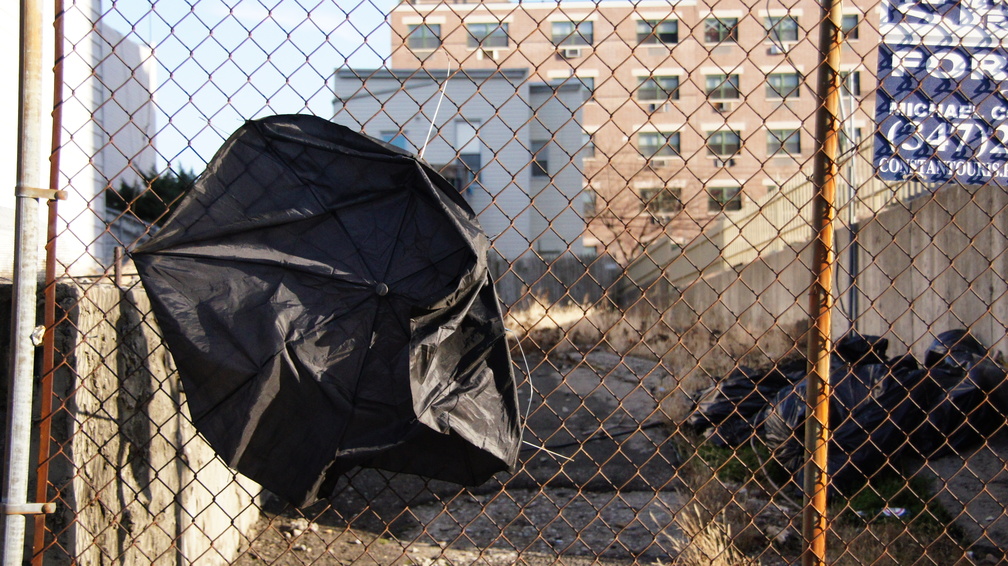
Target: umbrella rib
point(314, 194)
point(356, 389)
point(286, 267)
point(248, 383)
point(410, 203)
point(264, 224)
point(432, 261)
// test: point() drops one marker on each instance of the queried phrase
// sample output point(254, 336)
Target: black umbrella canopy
point(327, 302)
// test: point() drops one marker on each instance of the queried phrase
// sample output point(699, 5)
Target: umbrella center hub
point(381, 289)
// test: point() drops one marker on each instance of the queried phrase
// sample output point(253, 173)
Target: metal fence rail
point(644, 173)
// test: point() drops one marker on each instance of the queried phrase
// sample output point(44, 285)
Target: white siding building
point(107, 133)
point(483, 140)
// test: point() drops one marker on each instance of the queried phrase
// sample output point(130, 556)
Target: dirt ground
point(605, 492)
point(601, 492)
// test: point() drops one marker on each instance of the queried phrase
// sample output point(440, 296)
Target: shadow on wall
point(131, 478)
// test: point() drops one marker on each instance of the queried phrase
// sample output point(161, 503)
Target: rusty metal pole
point(26, 238)
point(825, 173)
point(49, 339)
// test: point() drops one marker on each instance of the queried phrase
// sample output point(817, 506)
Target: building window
point(588, 203)
point(846, 139)
point(424, 36)
point(470, 165)
point(781, 29)
point(487, 35)
point(783, 142)
point(849, 26)
point(570, 33)
point(588, 144)
point(783, 85)
point(394, 137)
point(658, 31)
point(724, 198)
point(658, 144)
point(658, 87)
point(588, 83)
point(721, 87)
point(850, 83)
point(720, 30)
point(540, 158)
point(724, 143)
point(661, 200)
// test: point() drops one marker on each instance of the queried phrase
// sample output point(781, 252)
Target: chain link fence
point(643, 171)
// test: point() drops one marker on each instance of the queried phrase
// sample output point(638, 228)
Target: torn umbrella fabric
point(327, 302)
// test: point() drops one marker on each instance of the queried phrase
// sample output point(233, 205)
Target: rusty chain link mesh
point(643, 171)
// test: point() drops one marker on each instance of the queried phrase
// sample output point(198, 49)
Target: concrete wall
point(936, 263)
point(133, 481)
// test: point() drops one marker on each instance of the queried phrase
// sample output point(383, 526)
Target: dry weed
point(552, 328)
point(707, 539)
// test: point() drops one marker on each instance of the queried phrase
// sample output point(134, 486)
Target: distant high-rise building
point(107, 133)
point(693, 107)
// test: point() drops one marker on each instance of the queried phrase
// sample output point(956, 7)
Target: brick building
point(693, 108)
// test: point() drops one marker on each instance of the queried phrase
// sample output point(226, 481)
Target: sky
point(221, 62)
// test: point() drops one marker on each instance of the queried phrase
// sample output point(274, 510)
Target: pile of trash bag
point(881, 408)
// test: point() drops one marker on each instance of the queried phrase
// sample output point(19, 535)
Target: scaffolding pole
point(25, 287)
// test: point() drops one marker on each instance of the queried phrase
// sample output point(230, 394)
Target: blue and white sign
point(942, 103)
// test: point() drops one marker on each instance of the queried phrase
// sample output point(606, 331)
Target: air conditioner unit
point(658, 107)
point(492, 54)
point(721, 106)
point(569, 52)
point(778, 49)
point(724, 162)
point(655, 162)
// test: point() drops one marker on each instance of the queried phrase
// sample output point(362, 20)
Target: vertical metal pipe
point(49, 339)
point(19, 400)
point(817, 433)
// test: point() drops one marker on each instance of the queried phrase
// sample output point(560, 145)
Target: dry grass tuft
point(707, 539)
point(552, 328)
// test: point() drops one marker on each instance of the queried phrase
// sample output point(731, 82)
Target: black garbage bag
point(955, 350)
point(327, 302)
point(966, 407)
point(859, 349)
point(957, 401)
point(878, 429)
point(729, 406)
point(783, 423)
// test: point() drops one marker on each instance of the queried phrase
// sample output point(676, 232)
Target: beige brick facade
point(608, 47)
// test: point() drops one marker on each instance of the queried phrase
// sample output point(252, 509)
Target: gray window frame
point(419, 41)
point(776, 90)
point(728, 87)
point(652, 89)
point(581, 33)
point(491, 36)
point(648, 32)
point(720, 148)
point(668, 146)
point(724, 29)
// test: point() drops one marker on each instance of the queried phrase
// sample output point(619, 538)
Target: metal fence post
point(49, 340)
point(817, 432)
point(19, 401)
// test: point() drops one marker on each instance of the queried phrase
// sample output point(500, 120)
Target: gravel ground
point(553, 526)
point(606, 496)
point(603, 493)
